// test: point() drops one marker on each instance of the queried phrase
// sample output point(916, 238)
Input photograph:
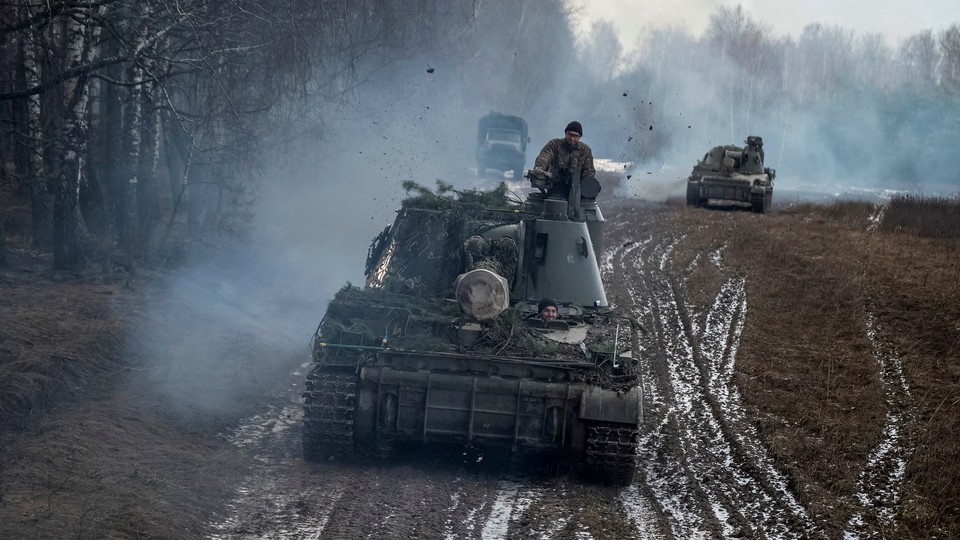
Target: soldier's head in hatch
point(548, 310)
point(572, 134)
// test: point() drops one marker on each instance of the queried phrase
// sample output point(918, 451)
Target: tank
point(501, 143)
point(443, 343)
point(733, 173)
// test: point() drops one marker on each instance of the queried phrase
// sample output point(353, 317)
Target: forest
point(131, 128)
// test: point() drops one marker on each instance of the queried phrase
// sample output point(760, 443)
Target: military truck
point(733, 173)
point(442, 345)
point(501, 143)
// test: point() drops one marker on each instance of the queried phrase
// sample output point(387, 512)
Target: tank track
point(760, 203)
point(611, 454)
point(329, 402)
point(693, 195)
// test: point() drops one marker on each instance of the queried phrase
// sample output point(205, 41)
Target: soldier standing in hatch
point(563, 164)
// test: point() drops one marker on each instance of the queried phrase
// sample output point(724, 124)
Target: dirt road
point(704, 471)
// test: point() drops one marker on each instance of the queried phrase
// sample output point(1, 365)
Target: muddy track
point(703, 470)
point(880, 485)
point(703, 462)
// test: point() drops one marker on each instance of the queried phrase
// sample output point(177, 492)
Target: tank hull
point(410, 406)
point(524, 407)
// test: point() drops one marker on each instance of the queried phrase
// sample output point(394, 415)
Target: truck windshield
point(503, 135)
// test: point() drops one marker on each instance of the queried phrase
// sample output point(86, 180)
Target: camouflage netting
point(422, 253)
point(499, 255)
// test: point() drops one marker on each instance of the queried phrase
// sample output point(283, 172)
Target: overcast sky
point(893, 18)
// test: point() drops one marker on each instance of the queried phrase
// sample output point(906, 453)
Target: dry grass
point(806, 366)
point(56, 336)
point(103, 470)
point(917, 298)
point(90, 447)
point(931, 217)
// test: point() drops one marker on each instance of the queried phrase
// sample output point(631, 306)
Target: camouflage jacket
point(558, 159)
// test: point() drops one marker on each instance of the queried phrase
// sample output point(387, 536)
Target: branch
point(72, 73)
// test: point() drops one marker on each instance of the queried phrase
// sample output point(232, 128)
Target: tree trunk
point(147, 188)
point(93, 193)
point(115, 186)
point(3, 234)
point(175, 149)
point(67, 223)
point(3, 181)
point(127, 227)
point(30, 157)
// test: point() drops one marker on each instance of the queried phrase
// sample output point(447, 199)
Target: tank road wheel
point(611, 453)
point(329, 402)
point(693, 194)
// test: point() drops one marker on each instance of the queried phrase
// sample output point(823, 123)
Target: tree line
point(130, 125)
point(829, 96)
point(128, 122)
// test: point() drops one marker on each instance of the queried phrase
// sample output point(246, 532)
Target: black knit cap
point(546, 302)
point(574, 126)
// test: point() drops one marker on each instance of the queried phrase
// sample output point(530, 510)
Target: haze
point(894, 20)
point(290, 140)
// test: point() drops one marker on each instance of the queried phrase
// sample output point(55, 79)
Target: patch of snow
point(503, 506)
point(716, 256)
point(641, 513)
point(880, 484)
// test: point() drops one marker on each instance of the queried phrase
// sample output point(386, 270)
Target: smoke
point(225, 330)
point(231, 324)
point(836, 118)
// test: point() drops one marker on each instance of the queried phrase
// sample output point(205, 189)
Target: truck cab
point(501, 143)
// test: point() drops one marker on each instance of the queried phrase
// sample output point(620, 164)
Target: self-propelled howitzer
point(733, 173)
point(443, 343)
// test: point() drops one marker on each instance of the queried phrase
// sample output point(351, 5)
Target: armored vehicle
point(501, 143)
point(443, 344)
point(732, 173)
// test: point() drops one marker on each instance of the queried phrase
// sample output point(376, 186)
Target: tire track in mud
point(707, 469)
point(675, 492)
point(880, 485)
point(266, 505)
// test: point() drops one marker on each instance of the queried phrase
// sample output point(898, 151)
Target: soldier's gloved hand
point(538, 178)
point(540, 173)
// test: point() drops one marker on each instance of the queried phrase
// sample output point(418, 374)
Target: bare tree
point(950, 65)
point(919, 58)
point(602, 51)
point(873, 62)
point(749, 64)
point(823, 60)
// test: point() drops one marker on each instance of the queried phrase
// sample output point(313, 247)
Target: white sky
point(892, 18)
